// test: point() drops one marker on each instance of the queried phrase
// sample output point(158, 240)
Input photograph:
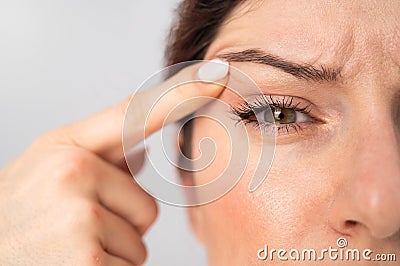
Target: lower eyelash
point(278, 129)
point(274, 129)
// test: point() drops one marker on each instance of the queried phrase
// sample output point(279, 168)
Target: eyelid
point(262, 101)
point(245, 110)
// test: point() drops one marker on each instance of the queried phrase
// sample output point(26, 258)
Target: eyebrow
point(301, 71)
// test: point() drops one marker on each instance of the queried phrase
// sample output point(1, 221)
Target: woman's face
point(338, 174)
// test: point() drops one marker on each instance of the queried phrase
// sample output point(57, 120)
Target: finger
point(136, 156)
point(102, 132)
point(111, 260)
point(119, 193)
point(119, 238)
point(178, 97)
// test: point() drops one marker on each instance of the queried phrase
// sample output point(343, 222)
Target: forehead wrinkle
point(295, 42)
point(337, 36)
point(376, 52)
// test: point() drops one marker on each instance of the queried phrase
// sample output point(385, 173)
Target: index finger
point(146, 112)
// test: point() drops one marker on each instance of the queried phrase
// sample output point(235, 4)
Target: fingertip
point(215, 70)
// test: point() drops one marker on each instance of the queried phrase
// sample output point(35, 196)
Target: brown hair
point(195, 28)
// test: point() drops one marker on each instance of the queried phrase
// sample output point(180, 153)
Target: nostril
point(348, 227)
point(351, 223)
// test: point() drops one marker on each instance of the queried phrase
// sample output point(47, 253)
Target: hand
point(65, 201)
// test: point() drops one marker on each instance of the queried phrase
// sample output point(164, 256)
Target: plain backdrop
point(62, 60)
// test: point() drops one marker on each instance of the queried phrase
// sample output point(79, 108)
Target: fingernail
point(213, 70)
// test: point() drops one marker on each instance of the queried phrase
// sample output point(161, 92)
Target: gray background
point(62, 60)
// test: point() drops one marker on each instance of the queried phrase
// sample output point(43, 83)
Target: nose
point(369, 198)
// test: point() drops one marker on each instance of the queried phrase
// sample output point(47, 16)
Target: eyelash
point(245, 112)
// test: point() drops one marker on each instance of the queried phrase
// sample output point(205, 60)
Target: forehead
point(326, 32)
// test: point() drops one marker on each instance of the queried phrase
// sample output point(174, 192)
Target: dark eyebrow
point(301, 71)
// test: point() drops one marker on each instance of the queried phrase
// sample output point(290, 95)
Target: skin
point(339, 177)
point(58, 201)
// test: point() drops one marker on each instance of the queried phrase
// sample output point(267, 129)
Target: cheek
point(288, 210)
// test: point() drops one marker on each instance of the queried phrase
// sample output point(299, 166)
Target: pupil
point(281, 116)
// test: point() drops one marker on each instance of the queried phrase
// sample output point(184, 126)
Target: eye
point(275, 113)
point(283, 115)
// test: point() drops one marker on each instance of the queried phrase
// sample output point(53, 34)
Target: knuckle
point(142, 254)
point(39, 142)
point(95, 255)
point(150, 216)
point(83, 215)
point(90, 214)
point(121, 108)
point(69, 166)
point(153, 211)
point(50, 138)
point(181, 92)
point(83, 219)
point(138, 105)
point(44, 139)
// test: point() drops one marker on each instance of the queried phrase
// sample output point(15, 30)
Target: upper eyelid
point(285, 101)
point(244, 109)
